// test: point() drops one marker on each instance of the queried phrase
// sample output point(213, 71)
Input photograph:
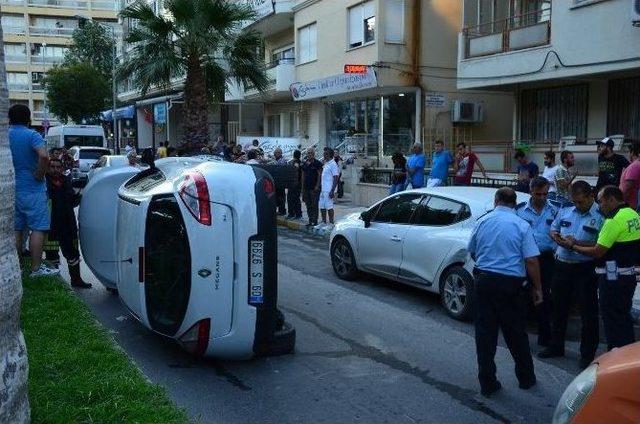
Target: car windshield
point(93, 153)
point(83, 140)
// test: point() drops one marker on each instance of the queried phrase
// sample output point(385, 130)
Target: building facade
point(37, 34)
point(573, 67)
point(403, 88)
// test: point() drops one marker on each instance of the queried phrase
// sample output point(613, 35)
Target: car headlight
point(575, 395)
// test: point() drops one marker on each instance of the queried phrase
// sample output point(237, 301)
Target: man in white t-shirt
point(328, 184)
point(549, 173)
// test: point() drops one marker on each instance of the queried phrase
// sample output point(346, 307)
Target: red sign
point(355, 69)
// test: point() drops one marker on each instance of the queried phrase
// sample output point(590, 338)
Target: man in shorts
point(30, 161)
point(328, 184)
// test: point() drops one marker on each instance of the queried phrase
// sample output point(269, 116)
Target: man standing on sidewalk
point(30, 160)
point(539, 213)
point(464, 164)
point(293, 195)
point(328, 184)
point(440, 162)
point(630, 180)
point(311, 173)
point(505, 252)
point(574, 273)
point(549, 172)
point(526, 171)
point(610, 165)
point(415, 166)
point(279, 160)
point(565, 174)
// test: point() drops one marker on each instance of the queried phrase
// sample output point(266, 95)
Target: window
point(307, 43)
point(273, 126)
point(15, 52)
point(398, 209)
point(18, 81)
point(437, 211)
point(283, 55)
point(13, 24)
point(624, 107)
point(394, 21)
point(362, 24)
point(552, 113)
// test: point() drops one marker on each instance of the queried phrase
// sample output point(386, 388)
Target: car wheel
point(343, 260)
point(456, 293)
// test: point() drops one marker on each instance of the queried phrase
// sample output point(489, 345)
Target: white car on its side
point(417, 237)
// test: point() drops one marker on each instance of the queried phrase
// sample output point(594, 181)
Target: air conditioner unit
point(635, 12)
point(466, 111)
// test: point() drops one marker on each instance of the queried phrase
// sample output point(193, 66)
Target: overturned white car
point(190, 246)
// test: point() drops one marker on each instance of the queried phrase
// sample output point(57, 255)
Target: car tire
point(343, 260)
point(456, 293)
point(282, 343)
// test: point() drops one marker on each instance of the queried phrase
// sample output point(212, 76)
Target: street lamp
point(82, 20)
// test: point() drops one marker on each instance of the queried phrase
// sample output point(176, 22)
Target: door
point(97, 223)
point(430, 239)
point(380, 245)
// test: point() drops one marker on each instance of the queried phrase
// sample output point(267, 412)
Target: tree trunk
point(14, 366)
point(196, 105)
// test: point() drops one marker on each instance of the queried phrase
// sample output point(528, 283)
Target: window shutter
point(356, 19)
point(394, 28)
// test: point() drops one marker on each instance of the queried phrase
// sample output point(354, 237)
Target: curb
point(297, 225)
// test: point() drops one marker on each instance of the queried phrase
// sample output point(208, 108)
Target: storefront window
point(399, 123)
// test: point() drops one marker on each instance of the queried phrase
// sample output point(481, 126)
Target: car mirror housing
point(366, 217)
point(148, 158)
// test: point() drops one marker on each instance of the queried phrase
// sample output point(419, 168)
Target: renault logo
point(204, 273)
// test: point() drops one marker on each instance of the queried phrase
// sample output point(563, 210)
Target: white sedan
point(417, 237)
point(190, 247)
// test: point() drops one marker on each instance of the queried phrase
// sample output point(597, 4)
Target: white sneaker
point(44, 271)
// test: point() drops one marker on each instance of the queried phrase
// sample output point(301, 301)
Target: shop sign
point(435, 100)
point(337, 84)
point(355, 69)
point(160, 113)
point(269, 144)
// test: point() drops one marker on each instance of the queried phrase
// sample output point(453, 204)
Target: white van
point(68, 136)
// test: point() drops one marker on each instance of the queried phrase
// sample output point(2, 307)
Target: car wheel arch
point(467, 314)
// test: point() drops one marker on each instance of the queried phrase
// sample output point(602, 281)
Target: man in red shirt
point(630, 179)
point(464, 164)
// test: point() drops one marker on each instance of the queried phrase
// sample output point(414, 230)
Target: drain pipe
point(416, 58)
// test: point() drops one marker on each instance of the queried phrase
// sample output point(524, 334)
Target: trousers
point(293, 201)
point(311, 198)
point(575, 282)
point(616, 299)
point(500, 304)
point(544, 310)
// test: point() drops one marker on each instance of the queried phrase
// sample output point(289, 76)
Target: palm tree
point(14, 365)
point(202, 39)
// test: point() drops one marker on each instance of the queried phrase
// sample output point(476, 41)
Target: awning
point(127, 112)
point(154, 100)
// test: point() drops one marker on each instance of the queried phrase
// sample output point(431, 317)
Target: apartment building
point(573, 67)
point(402, 89)
point(36, 35)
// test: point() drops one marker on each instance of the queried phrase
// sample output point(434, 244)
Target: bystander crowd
point(399, 175)
point(440, 163)
point(465, 162)
point(526, 171)
point(610, 165)
point(415, 166)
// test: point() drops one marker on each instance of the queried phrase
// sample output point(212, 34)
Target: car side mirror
point(366, 217)
point(148, 158)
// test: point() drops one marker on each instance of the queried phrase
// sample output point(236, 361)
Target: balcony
point(15, 86)
point(51, 32)
point(281, 74)
point(505, 35)
point(13, 30)
point(109, 5)
point(272, 17)
point(46, 60)
point(15, 58)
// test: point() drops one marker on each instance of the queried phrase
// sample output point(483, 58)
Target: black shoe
point(527, 384)
point(550, 353)
point(584, 363)
point(490, 389)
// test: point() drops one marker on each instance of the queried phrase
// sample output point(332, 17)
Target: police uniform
point(499, 244)
point(541, 226)
point(616, 274)
point(574, 276)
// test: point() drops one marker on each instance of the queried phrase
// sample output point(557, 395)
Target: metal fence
point(383, 176)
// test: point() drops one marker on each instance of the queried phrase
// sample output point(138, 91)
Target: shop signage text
point(269, 144)
point(435, 100)
point(355, 69)
point(337, 84)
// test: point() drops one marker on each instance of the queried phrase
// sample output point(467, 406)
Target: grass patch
point(77, 374)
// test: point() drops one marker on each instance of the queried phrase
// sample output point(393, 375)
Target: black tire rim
point(342, 259)
point(454, 293)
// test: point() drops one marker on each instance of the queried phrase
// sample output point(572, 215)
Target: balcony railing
point(16, 86)
point(15, 30)
point(65, 4)
point(514, 33)
point(14, 58)
point(51, 32)
point(285, 61)
point(48, 60)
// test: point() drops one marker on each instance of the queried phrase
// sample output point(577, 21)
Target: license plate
point(256, 271)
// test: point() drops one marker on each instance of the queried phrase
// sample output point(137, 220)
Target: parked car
point(417, 237)
point(84, 158)
point(608, 391)
point(106, 162)
point(190, 246)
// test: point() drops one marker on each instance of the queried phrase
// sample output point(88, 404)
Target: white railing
point(67, 4)
point(12, 58)
point(38, 60)
point(18, 86)
point(18, 30)
point(51, 32)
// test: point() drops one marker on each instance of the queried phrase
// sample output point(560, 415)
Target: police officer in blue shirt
point(540, 213)
point(505, 251)
point(574, 273)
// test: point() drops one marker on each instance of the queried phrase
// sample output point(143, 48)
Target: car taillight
point(195, 194)
point(267, 186)
point(196, 339)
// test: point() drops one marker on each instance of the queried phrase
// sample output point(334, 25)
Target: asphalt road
point(370, 351)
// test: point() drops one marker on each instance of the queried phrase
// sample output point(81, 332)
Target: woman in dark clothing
point(63, 233)
point(399, 176)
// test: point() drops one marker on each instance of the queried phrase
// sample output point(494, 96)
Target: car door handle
point(396, 238)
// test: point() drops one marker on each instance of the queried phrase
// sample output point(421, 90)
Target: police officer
point(503, 247)
point(574, 273)
point(540, 213)
point(617, 252)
